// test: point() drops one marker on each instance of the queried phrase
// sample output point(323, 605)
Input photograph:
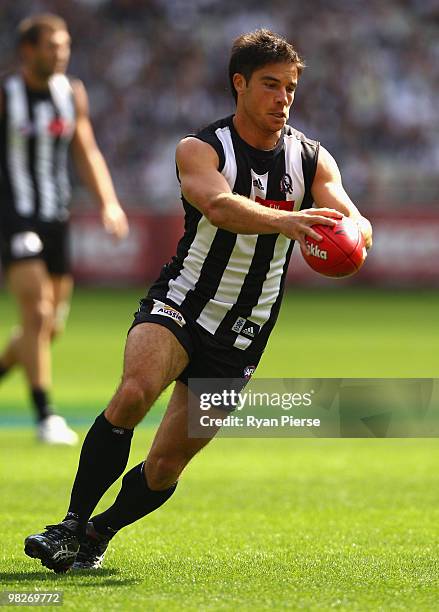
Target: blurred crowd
point(156, 70)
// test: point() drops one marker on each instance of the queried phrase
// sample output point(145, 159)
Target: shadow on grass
point(82, 578)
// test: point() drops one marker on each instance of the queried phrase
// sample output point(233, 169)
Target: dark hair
point(29, 30)
point(256, 49)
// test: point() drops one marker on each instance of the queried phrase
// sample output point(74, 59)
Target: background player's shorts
point(207, 357)
point(46, 241)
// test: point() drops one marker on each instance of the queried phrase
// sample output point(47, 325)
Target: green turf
point(255, 524)
point(357, 333)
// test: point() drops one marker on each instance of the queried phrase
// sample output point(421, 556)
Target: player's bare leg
point(172, 448)
point(41, 300)
point(153, 359)
point(60, 293)
point(62, 287)
point(31, 287)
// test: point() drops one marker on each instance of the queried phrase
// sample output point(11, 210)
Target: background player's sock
point(41, 403)
point(104, 457)
point(135, 500)
point(3, 370)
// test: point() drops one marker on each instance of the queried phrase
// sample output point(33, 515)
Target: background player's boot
point(92, 550)
point(54, 430)
point(56, 547)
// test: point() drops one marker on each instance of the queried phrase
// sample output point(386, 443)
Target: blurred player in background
point(248, 184)
point(42, 113)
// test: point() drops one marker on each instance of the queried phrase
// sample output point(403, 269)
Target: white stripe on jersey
point(230, 169)
point(293, 166)
point(270, 289)
point(193, 262)
point(44, 113)
point(62, 96)
point(63, 180)
point(17, 152)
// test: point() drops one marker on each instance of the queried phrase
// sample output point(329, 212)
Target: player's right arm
point(206, 188)
point(92, 167)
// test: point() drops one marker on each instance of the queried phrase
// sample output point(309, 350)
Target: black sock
point(41, 403)
point(104, 457)
point(3, 370)
point(135, 500)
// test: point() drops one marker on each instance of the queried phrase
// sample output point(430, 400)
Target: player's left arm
point(327, 191)
point(92, 167)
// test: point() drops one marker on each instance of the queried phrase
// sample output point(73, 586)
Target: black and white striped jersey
point(232, 284)
point(36, 128)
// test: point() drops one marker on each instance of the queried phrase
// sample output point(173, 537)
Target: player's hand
point(115, 220)
point(297, 225)
point(366, 230)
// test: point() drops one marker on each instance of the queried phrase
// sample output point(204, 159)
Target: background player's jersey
point(35, 131)
point(232, 284)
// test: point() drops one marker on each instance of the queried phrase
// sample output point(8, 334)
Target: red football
point(341, 252)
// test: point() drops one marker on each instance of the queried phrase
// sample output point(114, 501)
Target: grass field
point(255, 524)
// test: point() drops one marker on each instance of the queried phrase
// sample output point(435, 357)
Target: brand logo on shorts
point(118, 430)
point(164, 310)
point(239, 324)
point(246, 328)
point(250, 330)
point(249, 371)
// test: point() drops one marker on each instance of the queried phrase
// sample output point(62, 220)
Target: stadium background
point(364, 513)
point(155, 71)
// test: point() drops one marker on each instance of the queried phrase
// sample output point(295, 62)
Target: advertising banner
point(405, 251)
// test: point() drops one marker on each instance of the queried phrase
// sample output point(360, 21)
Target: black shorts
point(207, 357)
point(46, 241)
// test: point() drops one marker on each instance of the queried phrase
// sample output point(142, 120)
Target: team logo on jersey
point(164, 310)
point(249, 371)
point(258, 184)
point(59, 127)
point(286, 184)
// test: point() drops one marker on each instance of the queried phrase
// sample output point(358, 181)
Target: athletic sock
point(41, 403)
point(135, 500)
point(3, 370)
point(104, 457)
